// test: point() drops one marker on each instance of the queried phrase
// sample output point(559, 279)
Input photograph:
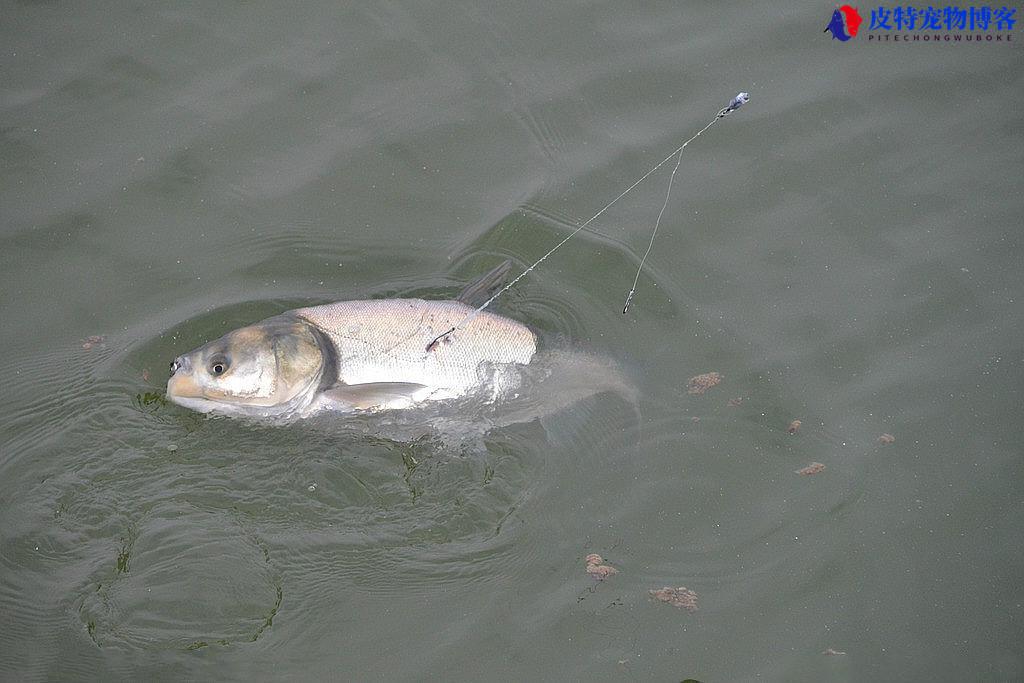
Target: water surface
point(845, 251)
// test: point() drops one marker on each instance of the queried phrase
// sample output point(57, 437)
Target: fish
point(353, 356)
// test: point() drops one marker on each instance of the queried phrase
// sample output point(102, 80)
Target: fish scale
point(386, 340)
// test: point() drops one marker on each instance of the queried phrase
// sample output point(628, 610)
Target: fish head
point(271, 367)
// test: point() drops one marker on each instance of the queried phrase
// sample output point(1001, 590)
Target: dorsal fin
point(480, 289)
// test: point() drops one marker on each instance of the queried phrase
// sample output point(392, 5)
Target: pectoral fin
point(376, 395)
point(480, 289)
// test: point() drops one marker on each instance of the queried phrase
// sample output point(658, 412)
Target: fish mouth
point(183, 386)
point(199, 405)
point(183, 390)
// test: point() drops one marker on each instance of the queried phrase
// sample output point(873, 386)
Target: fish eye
point(218, 366)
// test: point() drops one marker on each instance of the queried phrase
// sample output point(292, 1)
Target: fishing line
point(736, 102)
point(654, 233)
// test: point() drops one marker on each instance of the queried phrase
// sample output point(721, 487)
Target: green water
point(845, 250)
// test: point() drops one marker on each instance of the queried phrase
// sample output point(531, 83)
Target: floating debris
point(694, 419)
point(794, 426)
point(151, 399)
point(832, 652)
point(681, 597)
point(813, 468)
point(886, 439)
point(94, 340)
point(735, 402)
point(701, 383)
point(597, 569)
point(145, 374)
point(172, 447)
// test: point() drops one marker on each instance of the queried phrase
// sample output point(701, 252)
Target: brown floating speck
point(735, 402)
point(813, 468)
point(681, 597)
point(886, 439)
point(794, 426)
point(701, 383)
point(832, 652)
point(94, 340)
point(597, 569)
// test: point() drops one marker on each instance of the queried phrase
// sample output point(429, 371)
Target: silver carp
point(353, 356)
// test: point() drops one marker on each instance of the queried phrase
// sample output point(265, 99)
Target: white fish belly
point(386, 341)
